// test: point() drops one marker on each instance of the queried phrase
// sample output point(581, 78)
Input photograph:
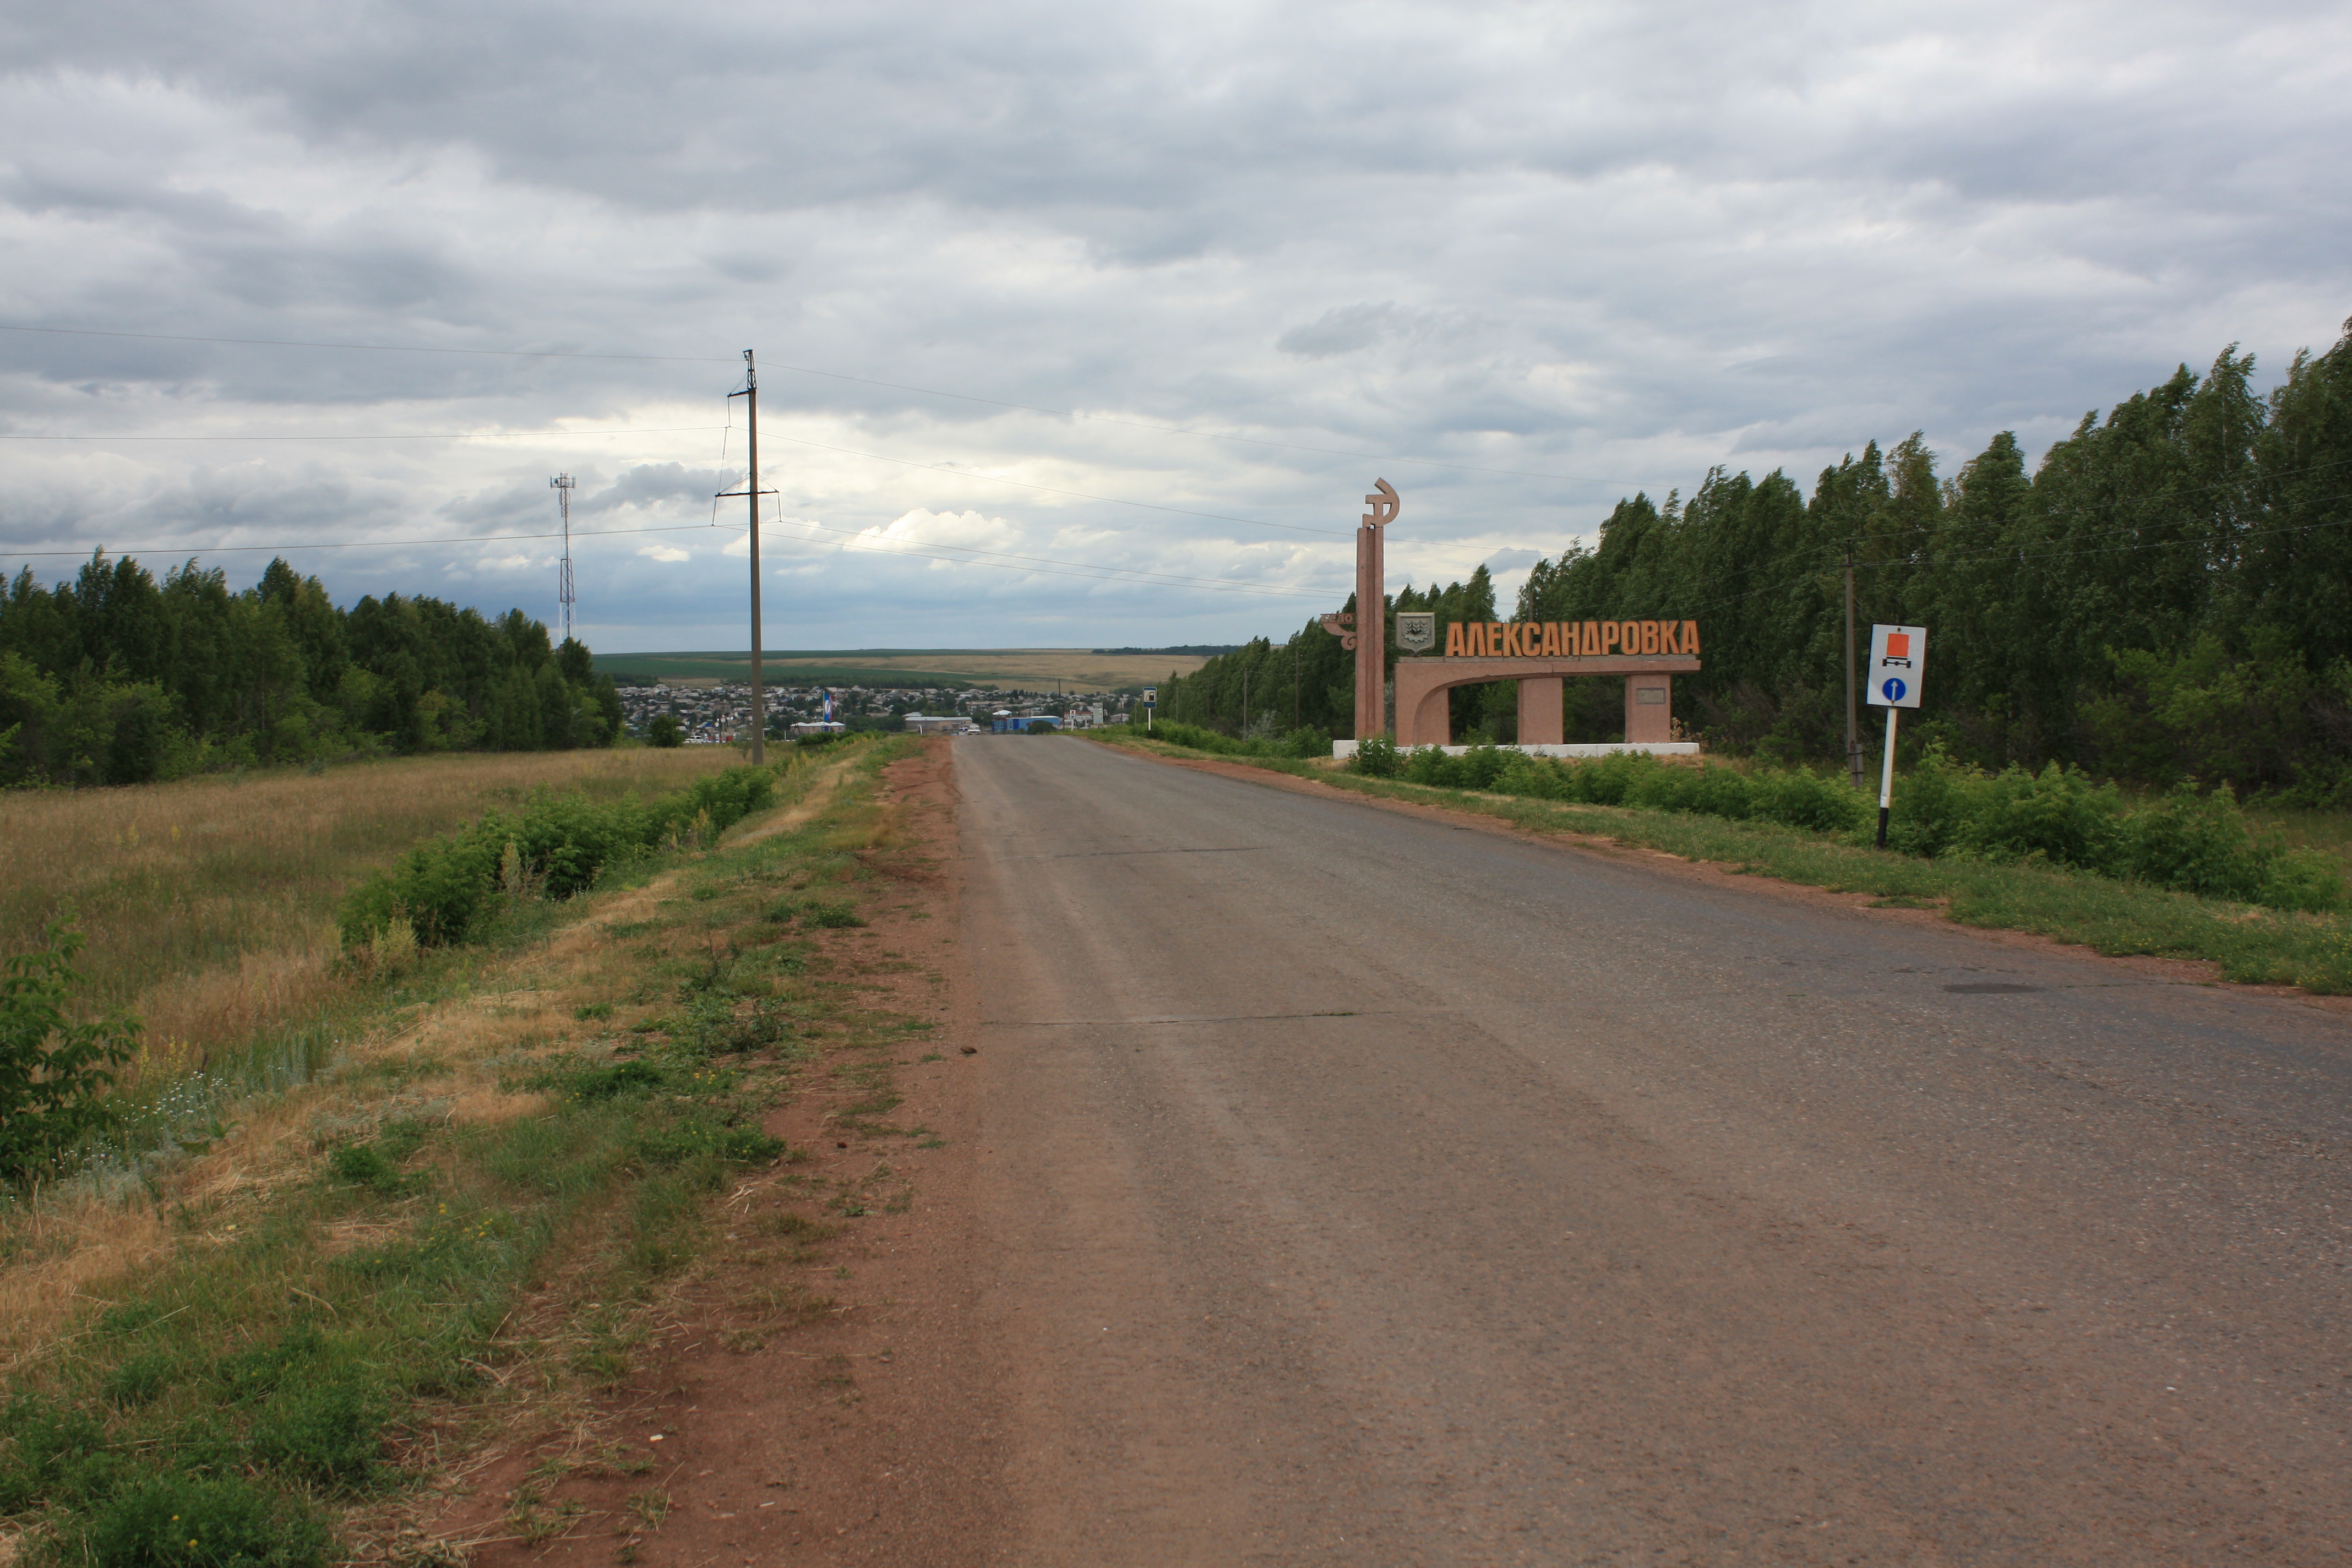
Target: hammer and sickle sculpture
point(1383, 502)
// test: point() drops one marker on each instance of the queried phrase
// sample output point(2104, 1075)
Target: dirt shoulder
point(805, 1394)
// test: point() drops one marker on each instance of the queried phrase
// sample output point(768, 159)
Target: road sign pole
point(1886, 779)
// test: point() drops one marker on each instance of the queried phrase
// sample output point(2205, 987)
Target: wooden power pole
point(752, 492)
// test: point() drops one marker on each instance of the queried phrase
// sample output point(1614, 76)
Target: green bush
point(185, 1521)
point(52, 1451)
point(365, 1165)
point(560, 845)
point(54, 1071)
point(1376, 758)
point(665, 730)
point(329, 1433)
point(2194, 843)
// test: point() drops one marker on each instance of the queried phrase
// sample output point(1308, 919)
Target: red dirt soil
point(857, 1436)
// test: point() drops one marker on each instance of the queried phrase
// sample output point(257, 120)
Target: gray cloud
point(1612, 243)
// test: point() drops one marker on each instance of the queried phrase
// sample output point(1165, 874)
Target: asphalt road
point(1359, 1188)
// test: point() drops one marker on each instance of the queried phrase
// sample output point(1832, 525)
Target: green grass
point(300, 1355)
point(2247, 944)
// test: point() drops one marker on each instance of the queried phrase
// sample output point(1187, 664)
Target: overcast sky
point(1235, 260)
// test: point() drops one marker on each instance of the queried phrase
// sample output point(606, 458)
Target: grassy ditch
point(2248, 941)
point(466, 1221)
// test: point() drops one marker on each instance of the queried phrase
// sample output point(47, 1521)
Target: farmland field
point(208, 903)
point(1076, 669)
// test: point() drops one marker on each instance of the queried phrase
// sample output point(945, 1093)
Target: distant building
point(931, 724)
point(816, 727)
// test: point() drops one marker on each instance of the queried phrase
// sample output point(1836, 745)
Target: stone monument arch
point(1539, 655)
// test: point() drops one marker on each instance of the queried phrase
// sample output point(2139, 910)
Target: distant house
point(929, 724)
point(808, 727)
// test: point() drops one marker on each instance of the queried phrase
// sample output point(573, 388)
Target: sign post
point(1898, 667)
point(1151, 701)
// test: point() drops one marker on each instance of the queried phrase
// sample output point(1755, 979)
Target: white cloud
point(666, 552)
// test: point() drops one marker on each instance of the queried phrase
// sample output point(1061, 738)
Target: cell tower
point(562, 484)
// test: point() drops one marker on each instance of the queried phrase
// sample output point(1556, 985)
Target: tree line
point(115, 678)
point(2164, 596)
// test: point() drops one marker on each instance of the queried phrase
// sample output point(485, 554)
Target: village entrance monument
point(1540, 654)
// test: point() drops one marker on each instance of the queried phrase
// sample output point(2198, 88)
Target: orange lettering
point(1649, 643)
point(1667, 632)
point(1549, 647)
point(1453, 639)
point(1610, 632)
point(1590, 643)
point(1494, 639)
point(1690, 639)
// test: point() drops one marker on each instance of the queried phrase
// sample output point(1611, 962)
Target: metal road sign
point(1151, 697)
point(1416, 630)
point(1898, 666)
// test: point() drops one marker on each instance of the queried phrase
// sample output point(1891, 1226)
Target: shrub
point(665, 730)
point(1376, 758)
point(1802, 798)
point(365, 1165)
point(53, 1451)
point(562, 844)
point(54, 1071)
point(185, 1522)
point(329, 1432)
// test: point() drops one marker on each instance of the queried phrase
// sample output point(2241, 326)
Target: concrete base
point(1572, 750)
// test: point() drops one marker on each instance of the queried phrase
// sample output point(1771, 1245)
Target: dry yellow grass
point(208, 903)
point(58, 1254)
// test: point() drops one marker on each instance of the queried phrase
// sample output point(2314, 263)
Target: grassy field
point(279, 1345)
point(1036, 668)
point(208, 903)
point(2246, 942)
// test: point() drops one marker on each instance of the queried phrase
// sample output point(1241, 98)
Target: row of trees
point(118, 678)
point(2165, 596)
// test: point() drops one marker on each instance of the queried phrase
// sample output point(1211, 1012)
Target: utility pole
point(563, 485)
point(1853, 741)
point(752, 493)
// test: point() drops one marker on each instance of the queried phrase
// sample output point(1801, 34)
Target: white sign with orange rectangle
point(1898, 666)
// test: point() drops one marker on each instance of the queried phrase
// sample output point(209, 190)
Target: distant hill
point(1189, 650)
